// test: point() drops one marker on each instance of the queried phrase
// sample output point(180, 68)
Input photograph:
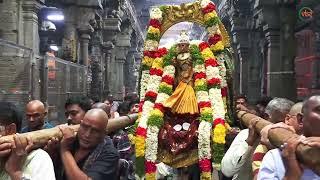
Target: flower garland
point(215, 95)
point(151, 94)
point(155, 120)
point(157, 80)
point(212, 24)
point(204, 129)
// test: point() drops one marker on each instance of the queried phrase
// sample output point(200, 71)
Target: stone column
point(30, 24)
point(111, 26)
point(84, 45)
point(96, 56)
point(240, 39)
point(129, 70)
point(107, 49)
point(70, 37)
point(117, 87)
point(281, 50)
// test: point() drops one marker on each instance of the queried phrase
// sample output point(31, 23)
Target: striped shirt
point(257, 158)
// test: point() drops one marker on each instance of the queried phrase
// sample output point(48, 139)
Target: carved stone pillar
point(281, 50)
point(84, 45)
point(77, 18)
point(30, 24)
point(111, 26)
point(240, 39)
point(107, 49)
point(117, 87)
point(97, 64)
point(130, 80)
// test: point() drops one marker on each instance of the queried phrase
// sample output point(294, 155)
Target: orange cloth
point(183, 100)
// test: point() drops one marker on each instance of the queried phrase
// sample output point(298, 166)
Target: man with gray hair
point(236, 162)
point(277, 109)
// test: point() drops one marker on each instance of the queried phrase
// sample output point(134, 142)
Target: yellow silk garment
point(183, 100)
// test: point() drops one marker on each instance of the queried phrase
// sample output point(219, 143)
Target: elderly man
point(283, 164)
point(90, 154)
point(289, 122)
point(21, 162)
point(236, 162)
point(35, 114)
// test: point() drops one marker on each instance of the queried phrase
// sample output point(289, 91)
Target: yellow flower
point(217, 47)
point(207, 53)
point(131, 138)
point(147, 61)
point(153, 30)
point(157, 63)
point(140, 145)
point(200, 82)
point(219, 134)
point(210, 15)
point(205, 176)
point(157, 112)
point(151, 176)
point(228, 127)
point(206, 110)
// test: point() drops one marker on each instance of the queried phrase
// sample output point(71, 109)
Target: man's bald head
point(311, 116)
point(102, 106)
point(35, 114)
point(92, 129)
point(97, 115)
point(36, 104)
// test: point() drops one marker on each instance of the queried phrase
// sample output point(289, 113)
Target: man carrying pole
point(283, 164)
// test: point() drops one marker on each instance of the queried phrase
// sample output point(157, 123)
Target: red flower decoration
point(214, 39)
point(224, 92)
point(154, 71)
point(211, 62)
point(214, 82)
point(141, 132)
point(150, 167)
point(162, 51)
point(155, 23)
point(149, 54)
point(203, 46)
point(199, 75)
point(218, 121)
point(157, 55)
point(159, 106)
point(168, 79)
point(141, 105)
point(205, 165)
point(209, 8)
point(203, 104)
point(151, 94)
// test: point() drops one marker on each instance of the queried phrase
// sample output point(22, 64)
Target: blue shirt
point(272, 168)
point(46, 125)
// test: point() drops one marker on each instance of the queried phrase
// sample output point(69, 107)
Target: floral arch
point(211, 87)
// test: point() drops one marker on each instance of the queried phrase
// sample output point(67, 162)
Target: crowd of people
point(92, 154)
point(87, 154)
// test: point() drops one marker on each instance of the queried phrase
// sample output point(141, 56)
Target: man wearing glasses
point(35, 115)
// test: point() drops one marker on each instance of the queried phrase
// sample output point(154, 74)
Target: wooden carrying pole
point(307, 155)
point(41, 137)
